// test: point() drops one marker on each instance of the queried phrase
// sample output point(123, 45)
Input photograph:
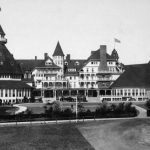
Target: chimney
point(35, 57)
point(68, 57)
point(45, 56)
point(103, 60)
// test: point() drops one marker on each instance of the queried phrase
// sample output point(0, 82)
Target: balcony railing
point(109, 72)
point(104, 79)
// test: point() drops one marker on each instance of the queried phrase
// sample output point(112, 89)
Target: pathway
point(20, 110)
point(142, 112)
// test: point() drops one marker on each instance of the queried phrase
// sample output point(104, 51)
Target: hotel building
point(12, 89)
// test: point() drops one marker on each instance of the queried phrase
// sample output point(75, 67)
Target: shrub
point(119, 108)
point(56, 108)
point(67, 113)
point(147, 104)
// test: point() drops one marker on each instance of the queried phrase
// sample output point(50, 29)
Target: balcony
point(104, 72)
point(104, 79)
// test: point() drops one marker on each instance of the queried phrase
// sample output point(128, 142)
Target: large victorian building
point(12, 89)
point(62, 76)
point(99, 77)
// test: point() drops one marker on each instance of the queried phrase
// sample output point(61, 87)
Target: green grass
point(43, 137)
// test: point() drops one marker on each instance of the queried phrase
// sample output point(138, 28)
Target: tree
point(57, 108)
point(0, 102)
point(147, 104)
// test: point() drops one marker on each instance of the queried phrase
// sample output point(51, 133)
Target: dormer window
point(48, 62)
point(66, 63)
point(76, 63)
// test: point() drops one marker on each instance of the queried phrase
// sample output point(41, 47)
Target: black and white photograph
point(74, 74)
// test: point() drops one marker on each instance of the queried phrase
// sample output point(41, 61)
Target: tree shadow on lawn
point(43, 137)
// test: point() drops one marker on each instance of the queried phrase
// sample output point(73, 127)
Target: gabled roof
point(58, 50)
point(72, 65)
point(30, 64)
point(135, 76)
point(96, 56)
point(13, 85)
point(43, 65)
point(1, 31)
point(8, 64)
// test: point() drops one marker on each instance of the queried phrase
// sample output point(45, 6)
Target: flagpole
point(114, 43)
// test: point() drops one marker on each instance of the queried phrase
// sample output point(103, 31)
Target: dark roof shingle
point(58, 50)
point(8, 63)
point(96, 56)
point(135, 76)
point(13, 85)
point(74, 64)
point(2, 31)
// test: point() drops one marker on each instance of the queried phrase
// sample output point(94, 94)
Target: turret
point(58, 57)
point(2, 36)
point(114, 54)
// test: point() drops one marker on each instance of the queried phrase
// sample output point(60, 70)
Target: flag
point(116, 40)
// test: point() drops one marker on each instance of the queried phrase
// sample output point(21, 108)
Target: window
point(133, 92)
point(136, 92)
point(129, 92)
point(92, 69)
point(70, 78)
point(125, 92)
point(9, 93)
point(6, 93)
point(66, 63)
point(13, 93)
point(92, 62)
point(76, 63)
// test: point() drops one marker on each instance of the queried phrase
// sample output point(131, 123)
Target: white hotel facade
point(99, 77)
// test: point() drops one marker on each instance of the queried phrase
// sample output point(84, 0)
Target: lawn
point(38, 108)
point(7, 110)
point(43, 137)
point(127, 134)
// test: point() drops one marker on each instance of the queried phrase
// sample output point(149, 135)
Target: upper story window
point(72, 70)
point(66, 63)
point(93, 62)
point(81, 70)
point(48, 62)
point(92, 69)
point(76, 63)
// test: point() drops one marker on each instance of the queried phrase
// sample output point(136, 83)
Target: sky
point(33, 27)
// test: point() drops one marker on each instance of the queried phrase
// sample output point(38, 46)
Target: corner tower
point(2, 36)
point(9, 69)
point(58, 57)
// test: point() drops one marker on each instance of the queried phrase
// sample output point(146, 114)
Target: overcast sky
point(33, 27)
